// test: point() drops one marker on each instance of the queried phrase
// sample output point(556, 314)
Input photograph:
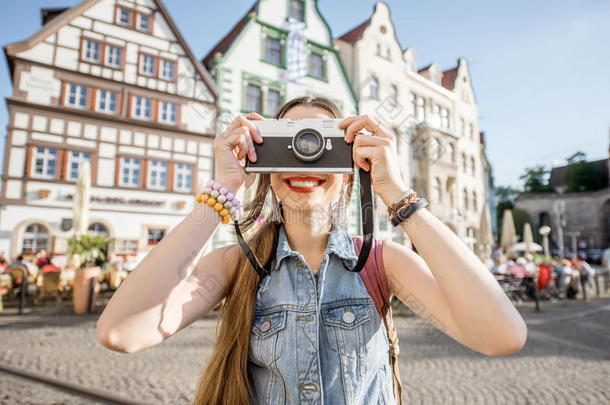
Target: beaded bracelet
point(224, 202)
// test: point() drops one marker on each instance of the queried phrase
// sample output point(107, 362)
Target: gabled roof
point(225, 43)
point(448, 80)
point(61, 19)
point(355, 34)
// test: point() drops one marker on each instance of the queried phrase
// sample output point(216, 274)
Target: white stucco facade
point(434, 116)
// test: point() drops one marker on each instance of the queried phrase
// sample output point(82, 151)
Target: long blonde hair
point(225, 379)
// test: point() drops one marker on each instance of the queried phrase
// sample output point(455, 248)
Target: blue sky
point(540, 70)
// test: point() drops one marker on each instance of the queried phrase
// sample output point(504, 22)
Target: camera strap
point(366, 213)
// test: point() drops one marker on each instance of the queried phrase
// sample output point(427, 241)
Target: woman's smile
point(303, 184)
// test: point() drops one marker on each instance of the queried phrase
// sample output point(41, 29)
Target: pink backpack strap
point(373, 274)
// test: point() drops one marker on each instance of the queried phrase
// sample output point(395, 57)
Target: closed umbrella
point(485, 234)
point(528, 237)
point(509, 234)
point(81, 199)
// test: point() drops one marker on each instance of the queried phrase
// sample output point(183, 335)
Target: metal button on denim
point(318, 341)
point(348, 316)
point(265, 326)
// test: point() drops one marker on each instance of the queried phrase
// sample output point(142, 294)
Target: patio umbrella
point(524, 247)
point(80, 208)
point(528, 237)
point(509, 234)
point(485, 235)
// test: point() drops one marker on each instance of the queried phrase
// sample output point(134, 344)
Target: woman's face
point(306, 191)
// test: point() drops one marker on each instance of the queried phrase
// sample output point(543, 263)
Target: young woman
point(308, 331)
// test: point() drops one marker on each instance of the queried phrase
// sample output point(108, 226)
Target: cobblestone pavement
point(566, 360)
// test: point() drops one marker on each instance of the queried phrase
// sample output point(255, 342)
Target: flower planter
point(82, 285)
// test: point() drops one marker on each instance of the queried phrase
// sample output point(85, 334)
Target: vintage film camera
point(305, 145)
point(311, 145)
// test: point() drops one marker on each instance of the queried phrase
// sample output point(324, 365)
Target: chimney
point(47, 14)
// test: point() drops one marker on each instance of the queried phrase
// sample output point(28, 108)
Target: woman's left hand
point(375, 153)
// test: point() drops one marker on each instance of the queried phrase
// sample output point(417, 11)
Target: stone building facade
point(111, 82)
point(434, 115)
point(582, 215)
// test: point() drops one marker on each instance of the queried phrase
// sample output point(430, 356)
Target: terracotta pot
point(82, 284)
point(42, 194)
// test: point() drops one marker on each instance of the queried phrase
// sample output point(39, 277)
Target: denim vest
point(318, 340)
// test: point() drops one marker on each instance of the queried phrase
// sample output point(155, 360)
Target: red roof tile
point(225, 43)
point(356, 33)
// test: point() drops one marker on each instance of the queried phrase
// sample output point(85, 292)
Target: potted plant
point(84, 252)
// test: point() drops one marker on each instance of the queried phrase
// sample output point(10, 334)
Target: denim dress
point(318, 340)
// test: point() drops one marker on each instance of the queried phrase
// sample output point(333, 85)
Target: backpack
point(373, 276)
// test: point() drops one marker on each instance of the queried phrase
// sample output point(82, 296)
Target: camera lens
point(308, 145)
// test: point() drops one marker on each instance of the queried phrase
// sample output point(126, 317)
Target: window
point(444, 118)
point(144, 22)
point(183, 177)
point(77, 96)
point(436, 115)
point(157, 175)
point(253, 98)
point(388, 53)
point(130, 172)
point(413, 103)
point(142, 108)
point(452, 152)
point(147, 65)
point(420, 113)
point(374, 88)
point(273, 51)
point(35, 238)
point(471, 130)
point(434, 149)
point(462, 127)
point(168, 69)
point(273, 101)
point(393, 94)
point(44, 161)
point(464, 163)
point(378, 49)
point(107, 101)
point(466, 200)
point(114, 56)
point(472, 166)
point(168, 112)
point(436, 190)
point(98, 229)
point(92, 51)
point(124, 17)
point(75, 160)
point(297, 9)
point(316, 65)
point(452, 195)
point(155, 235)
point(474, 200)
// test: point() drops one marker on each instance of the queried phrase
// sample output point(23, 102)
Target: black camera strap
point(366, 212)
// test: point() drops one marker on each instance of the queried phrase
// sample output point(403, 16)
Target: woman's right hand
point(231, 149)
